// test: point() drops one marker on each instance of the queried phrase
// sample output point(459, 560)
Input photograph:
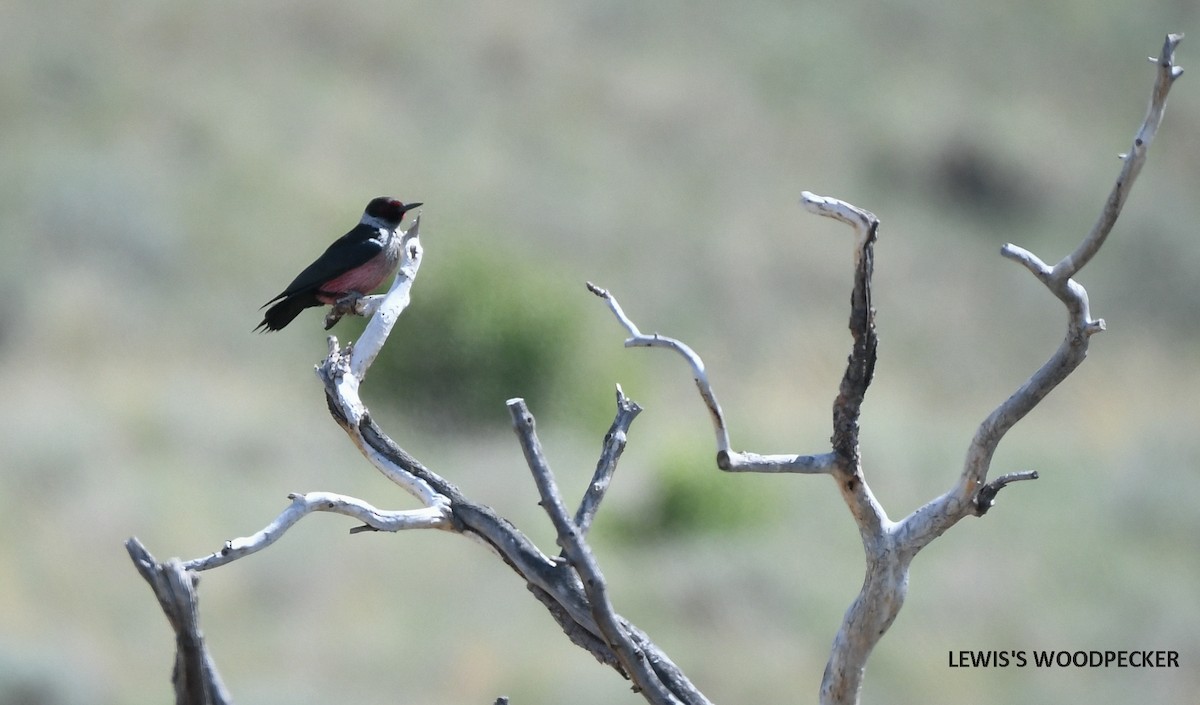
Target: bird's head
point(387, 211)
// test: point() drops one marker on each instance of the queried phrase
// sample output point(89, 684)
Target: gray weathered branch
point(727, 459)
point(887, 578)
point(891, 546)
point(195, 676)
point(614, 446)
point(579, 556)
point(964, 498)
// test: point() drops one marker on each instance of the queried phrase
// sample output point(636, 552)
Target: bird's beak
point(411, 206)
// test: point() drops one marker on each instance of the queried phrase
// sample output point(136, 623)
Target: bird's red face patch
point(388, 210)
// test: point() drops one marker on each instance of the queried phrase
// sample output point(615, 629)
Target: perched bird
point(355, 263)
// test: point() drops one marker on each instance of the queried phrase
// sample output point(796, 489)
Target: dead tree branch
point(195, 676)
point(965, 498)
point(579, 555)
point(614, 446)
point(891, 546)
point(571, 584)
point(883, 590)
point(727, 459)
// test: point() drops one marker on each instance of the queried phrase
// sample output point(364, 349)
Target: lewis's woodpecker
point(355, 263)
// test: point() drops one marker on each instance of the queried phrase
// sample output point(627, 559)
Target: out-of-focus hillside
point(167, 168)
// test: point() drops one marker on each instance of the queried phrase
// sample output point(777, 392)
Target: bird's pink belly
point(362, 279)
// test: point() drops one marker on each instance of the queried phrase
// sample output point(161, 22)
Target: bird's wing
point(351, 250)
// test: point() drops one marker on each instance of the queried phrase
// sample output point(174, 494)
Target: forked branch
point(973, 495)
point(887, 572)
point(727, 459)
point(195, 675)
point(890, 546)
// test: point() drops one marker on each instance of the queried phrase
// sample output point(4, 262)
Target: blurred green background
point(169, 167)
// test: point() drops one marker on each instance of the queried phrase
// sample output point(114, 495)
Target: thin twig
point(637, 339)
point(986, 496)
point(614, 446)
point(727, 459)
point(1132, 163)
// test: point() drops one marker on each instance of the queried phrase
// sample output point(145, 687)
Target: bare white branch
point(304, 504)
point(727, 459)
point(386, 312)
point(637, 339)
point(336, 371)
point(863, 221)
point(973, 494)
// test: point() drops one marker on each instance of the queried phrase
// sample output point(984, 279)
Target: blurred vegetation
point(167, 168)
point(682, 499)
point(487, 325)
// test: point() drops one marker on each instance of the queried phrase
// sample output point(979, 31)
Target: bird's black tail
point(284, 312)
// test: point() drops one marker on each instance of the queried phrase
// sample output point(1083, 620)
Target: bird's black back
point(351, 250)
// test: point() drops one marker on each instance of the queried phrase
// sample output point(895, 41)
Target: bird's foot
point(350, 304)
